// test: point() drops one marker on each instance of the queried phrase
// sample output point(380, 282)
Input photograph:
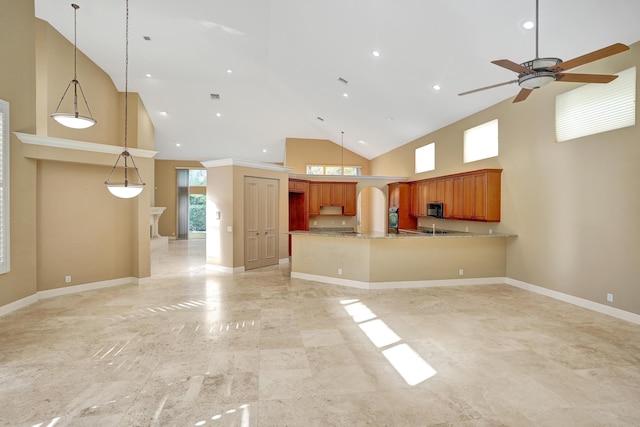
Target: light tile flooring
point(197, 347)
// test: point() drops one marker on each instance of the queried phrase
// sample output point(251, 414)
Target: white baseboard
point(21, 303)
point(580, 302)
point(284, 261)
point(223, 269)
point(17, 305)
point(399, 285)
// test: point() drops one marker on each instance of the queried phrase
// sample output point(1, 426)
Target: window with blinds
point(4, 186)
point(596, 108)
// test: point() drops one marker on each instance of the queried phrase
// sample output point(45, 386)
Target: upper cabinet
point(470, 196)
point(340, 194)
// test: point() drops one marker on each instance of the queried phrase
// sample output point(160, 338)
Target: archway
point(372, 210)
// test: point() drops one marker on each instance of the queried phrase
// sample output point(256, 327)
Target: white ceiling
point(287, 57)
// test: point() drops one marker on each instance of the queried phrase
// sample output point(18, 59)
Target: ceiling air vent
point(215, 96)
point(341, 80)
point(320, 118)
point(147, 38)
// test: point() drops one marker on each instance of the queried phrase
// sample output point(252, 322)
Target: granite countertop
point(403, 234)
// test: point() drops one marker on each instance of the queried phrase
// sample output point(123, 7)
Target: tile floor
point(202, 348)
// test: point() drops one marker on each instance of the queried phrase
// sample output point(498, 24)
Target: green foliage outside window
point(197, 212)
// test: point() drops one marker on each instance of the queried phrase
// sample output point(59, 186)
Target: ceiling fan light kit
point(539, 72)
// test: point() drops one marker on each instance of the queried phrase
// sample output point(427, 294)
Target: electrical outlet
point(67, 279)
point(344, 222)
point(339, 271)
point(610, 297)
point(461, 272)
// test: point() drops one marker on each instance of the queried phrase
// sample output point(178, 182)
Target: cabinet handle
point(257, 234)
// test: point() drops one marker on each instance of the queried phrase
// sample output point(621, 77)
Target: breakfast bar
point(403, 260)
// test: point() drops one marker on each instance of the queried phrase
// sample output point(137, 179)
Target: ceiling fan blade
point(522, 95)
point(488, 87)
point(590, 57)
point(510, 65)
point(585, 78)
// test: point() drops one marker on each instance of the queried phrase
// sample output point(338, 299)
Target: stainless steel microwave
point(435, 210)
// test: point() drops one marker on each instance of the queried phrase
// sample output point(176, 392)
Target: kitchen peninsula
point(384, 261)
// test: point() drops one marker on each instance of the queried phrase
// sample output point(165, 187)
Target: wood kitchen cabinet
point(470, 196)
point(314, 198)
point(342, 194)
point(400, 195)
point(350, 200)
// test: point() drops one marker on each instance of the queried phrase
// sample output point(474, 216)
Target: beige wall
point(165, 192)
point(63, 219)
point(17, 86)
point(300, 152)
point(573, 204)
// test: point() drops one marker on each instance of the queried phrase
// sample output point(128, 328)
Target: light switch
point(229, 229)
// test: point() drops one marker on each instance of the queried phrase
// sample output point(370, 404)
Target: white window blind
point(426, 158)
point(596, 108)
point(481, 142)
point(4, 186)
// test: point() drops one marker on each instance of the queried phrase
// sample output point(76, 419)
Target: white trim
point(284, 261)
point(69, 144)
point(17, 305)
point(86, 287)
point(223, 269)
point(580, 302)
point(24, 302)
point(245, 163)
point(399, 285)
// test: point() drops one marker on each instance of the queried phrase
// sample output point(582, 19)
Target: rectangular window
point(596, 108)
point(4, 187)
point(481, 142)
point(425, 158)
point(333, 170)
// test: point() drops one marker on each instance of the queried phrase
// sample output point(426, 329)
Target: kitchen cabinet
point(350, 200)
point(400, 195)
point(314, 198)
point(342, 194)
point(470, 196)
point(332, 194)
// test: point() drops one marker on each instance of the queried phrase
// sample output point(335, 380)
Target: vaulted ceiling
point(306, 69)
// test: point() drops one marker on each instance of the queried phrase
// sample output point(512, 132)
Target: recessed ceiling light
point(229, 71)
point(361, 141)
point(148, 75)
point(164, 113)
point(218, 114)
point(346, 95)
point(436, 87)
point(376, 53)
point(264, 150)
point(178, 145)
point(528, 25)
point(390, 118)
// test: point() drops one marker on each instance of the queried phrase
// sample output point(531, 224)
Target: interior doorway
point(191, 201)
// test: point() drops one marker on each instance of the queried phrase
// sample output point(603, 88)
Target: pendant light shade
point(74, 120)
point(126, 189)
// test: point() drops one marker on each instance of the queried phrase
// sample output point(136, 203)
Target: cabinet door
point(440, 190)
point(314, 199)
point(468, 193)
point(433, 191)
point(326, 194)
point(413, 189)
point(423, 198)
point(480, 197)
point(337, 195)
point(448, 198)
point(350, 200)
point(458, 197)
point(394, 195)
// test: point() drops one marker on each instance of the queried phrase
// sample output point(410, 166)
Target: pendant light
point(126, 189)
point(74, 120)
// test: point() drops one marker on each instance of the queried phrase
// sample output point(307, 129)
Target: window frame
point(5, 221)
point(358, 169)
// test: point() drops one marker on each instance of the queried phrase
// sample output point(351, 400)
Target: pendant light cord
point(126, 79)
point(75, 41)
point(537, 30)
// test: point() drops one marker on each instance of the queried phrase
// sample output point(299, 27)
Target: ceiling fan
point(538, 72)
